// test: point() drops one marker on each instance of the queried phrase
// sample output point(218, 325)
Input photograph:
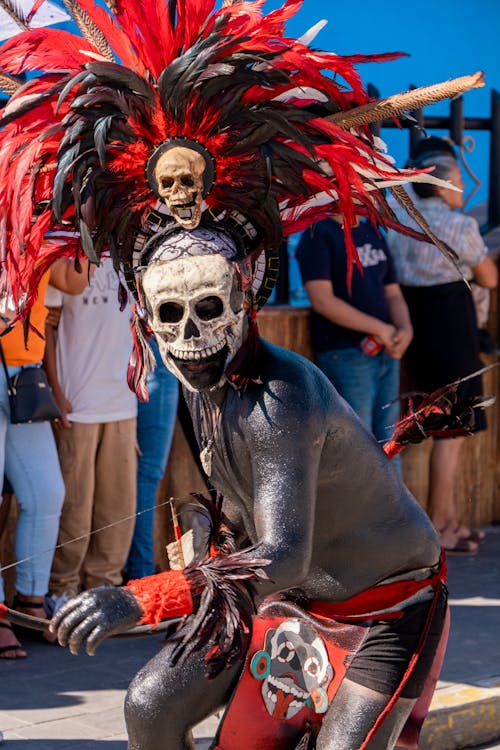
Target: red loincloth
point(272, 685)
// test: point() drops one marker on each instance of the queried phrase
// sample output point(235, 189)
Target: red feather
point(36, 6)
point(438, 414)
point(43, 49)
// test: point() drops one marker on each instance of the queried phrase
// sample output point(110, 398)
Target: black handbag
point(30, 395)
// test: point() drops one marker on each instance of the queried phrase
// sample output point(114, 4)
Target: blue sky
point(444, 39)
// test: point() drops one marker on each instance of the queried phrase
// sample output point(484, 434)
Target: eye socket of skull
point(209, 308)
point(170, 312)
point(312, 666)
point(286, 651)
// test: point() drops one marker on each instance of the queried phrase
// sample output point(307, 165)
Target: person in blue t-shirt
point(341, 320)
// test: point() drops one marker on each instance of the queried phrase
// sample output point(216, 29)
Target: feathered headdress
point(267, 123)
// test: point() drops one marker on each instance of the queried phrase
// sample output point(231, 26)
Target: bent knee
point(149, 697)
point(152, 720)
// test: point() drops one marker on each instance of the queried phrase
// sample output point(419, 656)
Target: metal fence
point(456, 124)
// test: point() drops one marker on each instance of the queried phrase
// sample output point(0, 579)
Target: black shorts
point(383, 658)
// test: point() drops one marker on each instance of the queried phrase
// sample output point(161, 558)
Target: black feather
point(82, 76)
point(223, 591)
point(87, 243)
point(64, 166)
point(124, 77)
point(101, 129)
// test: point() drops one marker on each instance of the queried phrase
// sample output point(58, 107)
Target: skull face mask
point(196, 307)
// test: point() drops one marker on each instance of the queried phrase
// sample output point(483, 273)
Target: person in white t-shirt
point(86, 361)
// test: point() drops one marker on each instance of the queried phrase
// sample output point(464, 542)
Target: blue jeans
point(368, 384)
point(28, 457)
point(155, 429)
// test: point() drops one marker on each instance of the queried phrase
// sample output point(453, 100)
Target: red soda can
point(371, 346)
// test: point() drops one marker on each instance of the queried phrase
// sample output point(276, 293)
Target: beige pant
point(99, 467)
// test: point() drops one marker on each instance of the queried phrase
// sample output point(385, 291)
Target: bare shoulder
point(294, 393)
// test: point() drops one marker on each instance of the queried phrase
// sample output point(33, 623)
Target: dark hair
point(432, 145)
point(428, 152)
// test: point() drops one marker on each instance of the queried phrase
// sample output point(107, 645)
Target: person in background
point(86, 365)
point(28, 457)
point(155, 429)
point(445, 346)
point(358, 334)
point(428, 147)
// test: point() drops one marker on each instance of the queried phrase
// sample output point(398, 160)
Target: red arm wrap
point(162, 596)
point(3, 610)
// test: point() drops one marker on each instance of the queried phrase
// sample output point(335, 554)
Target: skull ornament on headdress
point(194, 299)
point(181, 173)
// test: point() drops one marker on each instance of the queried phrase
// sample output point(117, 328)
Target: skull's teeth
point(195, 356)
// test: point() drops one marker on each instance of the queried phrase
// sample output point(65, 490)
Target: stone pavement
point(55, 701)
point(465, 710)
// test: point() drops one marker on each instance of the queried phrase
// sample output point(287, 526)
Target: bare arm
point(400, 317)
point(65, 277)
point(486, 273)
point(324, 302)
point(285, 491)
point(50, 366)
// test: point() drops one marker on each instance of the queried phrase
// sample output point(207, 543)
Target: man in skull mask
point(222, 116)
point(306, 490)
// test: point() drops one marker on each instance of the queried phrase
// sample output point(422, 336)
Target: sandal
point(12, 650)
point(461, 547)
point(470, 535)
point(34, 607)
point(453, 544)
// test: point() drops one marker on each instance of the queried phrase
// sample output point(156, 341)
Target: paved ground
point(466, 707)
point(54, 701)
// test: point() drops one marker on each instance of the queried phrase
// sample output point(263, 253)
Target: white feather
point(312, 33)
point(93, 55)
point(301, 92)
point(16, 102)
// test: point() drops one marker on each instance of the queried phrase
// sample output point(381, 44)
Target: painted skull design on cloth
point(295, 670)
point(179, 176)
point(195, 306)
